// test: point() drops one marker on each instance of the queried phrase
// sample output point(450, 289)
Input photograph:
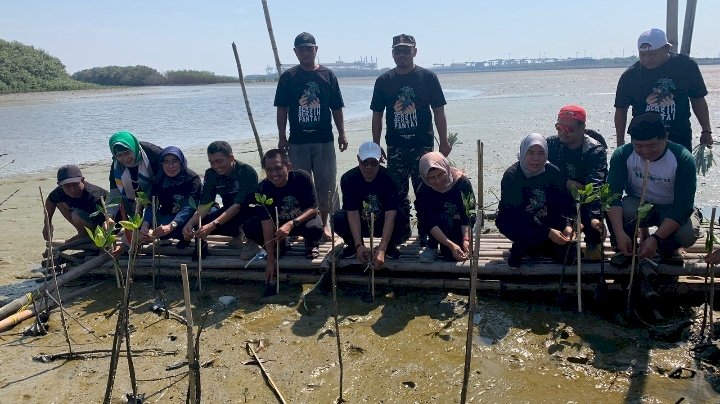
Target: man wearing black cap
point(666, 83)
point(670, 189)
point(308, 95)
point(76, 199)
point(411, 97)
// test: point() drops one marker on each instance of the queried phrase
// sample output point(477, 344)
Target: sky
point(182, 34)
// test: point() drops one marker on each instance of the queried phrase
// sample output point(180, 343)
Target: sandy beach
point(408, 346)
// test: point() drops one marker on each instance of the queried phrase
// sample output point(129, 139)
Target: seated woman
point(173, 188)
point(535, 206)
point(440, 209)
point(133, 169)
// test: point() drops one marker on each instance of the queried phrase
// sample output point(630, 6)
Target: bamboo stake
point(272, 38)
point(579, 258)
point(156, 268)
point(265, 373)
point(277, 253)
point(189, 322)
point(247, 101)
point(51, 256)
point(372, 252)
point(635, 235)
point(474, 256)
point(118, 275)
point(334, 295)
point(712, 277)
point(198, 245)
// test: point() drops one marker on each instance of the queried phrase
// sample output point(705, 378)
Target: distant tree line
point(147, 76)
point(24, 68)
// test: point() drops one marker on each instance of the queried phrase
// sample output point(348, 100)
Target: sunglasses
point(563, 128)
point(402, 50)
point(370, 162)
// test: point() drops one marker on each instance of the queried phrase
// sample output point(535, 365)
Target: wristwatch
point(295, 222)
point(173, 224)
point(216, 223)
point(657, 238)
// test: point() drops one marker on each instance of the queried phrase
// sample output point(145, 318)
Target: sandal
point(312, 253)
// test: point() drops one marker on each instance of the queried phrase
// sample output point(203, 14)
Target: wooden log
point(15, 319)
point(68, 276)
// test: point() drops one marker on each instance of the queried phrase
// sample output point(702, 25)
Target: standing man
point(407, 94)
point(666, 83)
point(308, 95)
point(581, 156)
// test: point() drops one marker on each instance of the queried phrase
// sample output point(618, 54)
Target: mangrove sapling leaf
point(102, 238)
point(703, 158)
point(606, 198)
point(135, 223)
point(643, 210)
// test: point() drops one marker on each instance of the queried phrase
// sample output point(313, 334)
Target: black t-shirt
point(232, 188)
point(442, 209)
point(379, 195)
point(310, 97)
point(297, 196)
point(88, 201)
point(664, 89)
point(173, 193)
point(407, 100)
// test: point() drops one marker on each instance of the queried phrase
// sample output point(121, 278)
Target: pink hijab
point(437, 160)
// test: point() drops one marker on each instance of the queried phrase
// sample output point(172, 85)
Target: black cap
point(403, 40)
point(69, 173)
point(304, 39)
point(646, 126)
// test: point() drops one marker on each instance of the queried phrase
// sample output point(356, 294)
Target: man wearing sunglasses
point(581, 155)
point(666, 83)
point(366, 189)
point(410, 97)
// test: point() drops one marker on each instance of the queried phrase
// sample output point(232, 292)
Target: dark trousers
point(403, 164)
point(231, 227)
point(311, 231)
point(341, 226)
point(453, 231)
point(525, 244)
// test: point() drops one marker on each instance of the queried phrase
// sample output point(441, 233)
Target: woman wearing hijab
point(173, 187)
point(133, 169)
point(535, 206)
point(440, 209)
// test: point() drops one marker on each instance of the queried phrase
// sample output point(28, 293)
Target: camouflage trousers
point(403, 164)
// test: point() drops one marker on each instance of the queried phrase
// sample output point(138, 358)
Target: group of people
point(297, 196)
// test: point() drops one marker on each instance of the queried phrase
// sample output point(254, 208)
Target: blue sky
point(169, 35)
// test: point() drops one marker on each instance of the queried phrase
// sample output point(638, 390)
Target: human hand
point(457, 252)
point(283, 144)
point(445, 148)
point(342, 142)
point(599, 225)
point(204, 231)
point(188, 232)
point(269, 270)
point(379, 259)
point(713, 258)
point(283, 231)
point(706, 138)
point(557, 237)
point(570, 185)
point(362, 254)
point(466, 247)
point(624, 244)
point(648, 247)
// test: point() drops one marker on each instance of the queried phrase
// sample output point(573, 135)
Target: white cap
point(369, 150)
point(652, 39)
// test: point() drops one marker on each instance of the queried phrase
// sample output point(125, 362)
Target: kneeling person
point(368, 189)
point(76, 199)
point(671, 187)
point(293, 194)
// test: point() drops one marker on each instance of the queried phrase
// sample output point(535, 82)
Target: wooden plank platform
point(224, 262)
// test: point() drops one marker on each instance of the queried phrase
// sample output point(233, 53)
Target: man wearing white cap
point(76, 199)
point(368, 189)
point(666, 83)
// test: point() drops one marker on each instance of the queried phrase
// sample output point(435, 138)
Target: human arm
point(284, 230)
point(700, 108)
point(282, 117)
point(620, 123)
point(50, 208)
point(457, 251)
point(441, 125)
point(379, 258)
point(354, 222)
point(337, 115)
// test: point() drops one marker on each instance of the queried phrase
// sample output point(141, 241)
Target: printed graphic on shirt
point(405, 117)
point(537, 205)
point(290, 208)
point(371, 204)
point(451, 213)
point(177, 203)
point(662, 99)
point(309, 109)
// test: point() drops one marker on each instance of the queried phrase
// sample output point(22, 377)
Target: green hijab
point(126, 140)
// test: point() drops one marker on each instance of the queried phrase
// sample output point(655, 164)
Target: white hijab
point(529, 141)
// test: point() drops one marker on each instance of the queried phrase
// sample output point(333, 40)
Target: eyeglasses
point(402, 50)
point(563, 128)
point(370, 162)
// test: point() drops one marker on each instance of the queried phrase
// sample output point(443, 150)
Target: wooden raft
point(224, 262)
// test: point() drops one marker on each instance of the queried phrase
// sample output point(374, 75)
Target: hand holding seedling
point(558, 237)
